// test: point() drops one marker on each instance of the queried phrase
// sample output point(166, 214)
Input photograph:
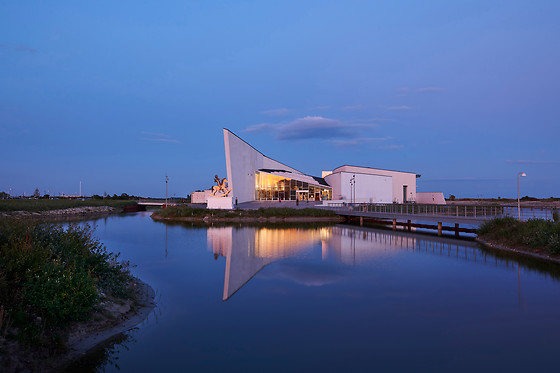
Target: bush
point(536, 234)
point(54, 273)
point(279, 212)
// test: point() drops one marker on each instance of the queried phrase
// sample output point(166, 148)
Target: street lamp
point(166, 180)
point(353, 189)
point(522, 174)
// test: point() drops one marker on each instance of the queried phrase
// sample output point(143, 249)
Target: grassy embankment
point(535, 235)
point(34, 205)
point(271, 212)
point(50, 277)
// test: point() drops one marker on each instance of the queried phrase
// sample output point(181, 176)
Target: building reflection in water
point(247, 250)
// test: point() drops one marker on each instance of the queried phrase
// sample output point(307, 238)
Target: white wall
point(242, 160)
point(434, 198)
point(368, 188)
point(399, 180)
point(220, 203)
point(199, 197)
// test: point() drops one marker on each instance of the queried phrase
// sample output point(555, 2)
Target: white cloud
point(307, 128)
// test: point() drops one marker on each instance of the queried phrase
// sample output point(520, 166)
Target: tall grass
point(57, 204)
point(535, 233)
point(279, 212)
point(50, 276)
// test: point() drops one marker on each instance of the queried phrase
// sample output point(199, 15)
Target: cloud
point(158, 137)
point(324, 107)
point(277, 112)
point(430, 89)
point(352, 108)
point(18, 48)
point(526, 161)
point(260, 127)
point(399, 108)
point(357, 141)
point(309, 127)
point(315, 127)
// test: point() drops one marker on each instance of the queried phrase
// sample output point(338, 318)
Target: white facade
point(370, 185)
point(432, 198)
point(242, 160)
point(200, 197)
point(360, 187)
point(403, 184)
point(220, 203)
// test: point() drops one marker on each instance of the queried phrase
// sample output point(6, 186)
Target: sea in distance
point(332, 298)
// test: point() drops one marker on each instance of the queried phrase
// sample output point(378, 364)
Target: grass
point(534, 234)
point(278, 212)
point(50, 276)
point(57, 204)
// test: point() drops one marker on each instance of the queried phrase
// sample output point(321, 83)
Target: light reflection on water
point(331, 298)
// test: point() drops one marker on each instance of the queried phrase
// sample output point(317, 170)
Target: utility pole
point(166, 180)
point(80, 188)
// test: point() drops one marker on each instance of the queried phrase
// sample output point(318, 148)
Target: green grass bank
point(535, 235)
point(35, 205)
point(186, 212)
point(51, 277)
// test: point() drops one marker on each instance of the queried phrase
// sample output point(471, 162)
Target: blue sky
point(117, 94)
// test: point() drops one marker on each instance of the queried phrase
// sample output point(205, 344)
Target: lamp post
point(353, 189)
point(166, 180)
point(522, 174)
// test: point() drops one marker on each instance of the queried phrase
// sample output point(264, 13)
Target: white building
point(254, 176)
point(371, 185)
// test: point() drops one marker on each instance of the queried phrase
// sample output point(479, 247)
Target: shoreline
point(289, 219)
point(521, 252)
point(83, 337)
point(93, 340)
point(85, 211)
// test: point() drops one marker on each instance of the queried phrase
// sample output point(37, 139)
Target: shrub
point(55, 273)
point(535, 233)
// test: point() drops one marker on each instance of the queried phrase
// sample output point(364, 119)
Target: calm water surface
point(336, 298)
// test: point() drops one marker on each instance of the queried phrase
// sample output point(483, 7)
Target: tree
point(36, 193)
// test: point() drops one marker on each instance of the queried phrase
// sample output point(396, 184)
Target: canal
point(328, 298)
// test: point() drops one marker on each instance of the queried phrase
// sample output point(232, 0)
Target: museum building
point(256, 177)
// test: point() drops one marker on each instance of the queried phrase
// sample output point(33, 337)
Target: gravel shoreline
point(84, 336)
point(74, 211)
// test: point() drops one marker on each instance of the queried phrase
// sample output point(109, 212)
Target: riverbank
point(61, 292)
point(62, 213)
point(538, 238)
point(261, 215)
point(111, 318)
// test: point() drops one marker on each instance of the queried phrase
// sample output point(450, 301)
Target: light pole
point(522, 174)
point(166, 180)
point(352, 188)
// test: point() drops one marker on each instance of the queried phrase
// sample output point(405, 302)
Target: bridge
point(160, 203)
point(436, 217)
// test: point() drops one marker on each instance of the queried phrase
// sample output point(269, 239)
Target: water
point(336, 298)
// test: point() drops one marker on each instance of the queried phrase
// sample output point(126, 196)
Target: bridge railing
point(479, 212)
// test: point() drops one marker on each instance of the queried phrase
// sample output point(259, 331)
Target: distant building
point(256, 177)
